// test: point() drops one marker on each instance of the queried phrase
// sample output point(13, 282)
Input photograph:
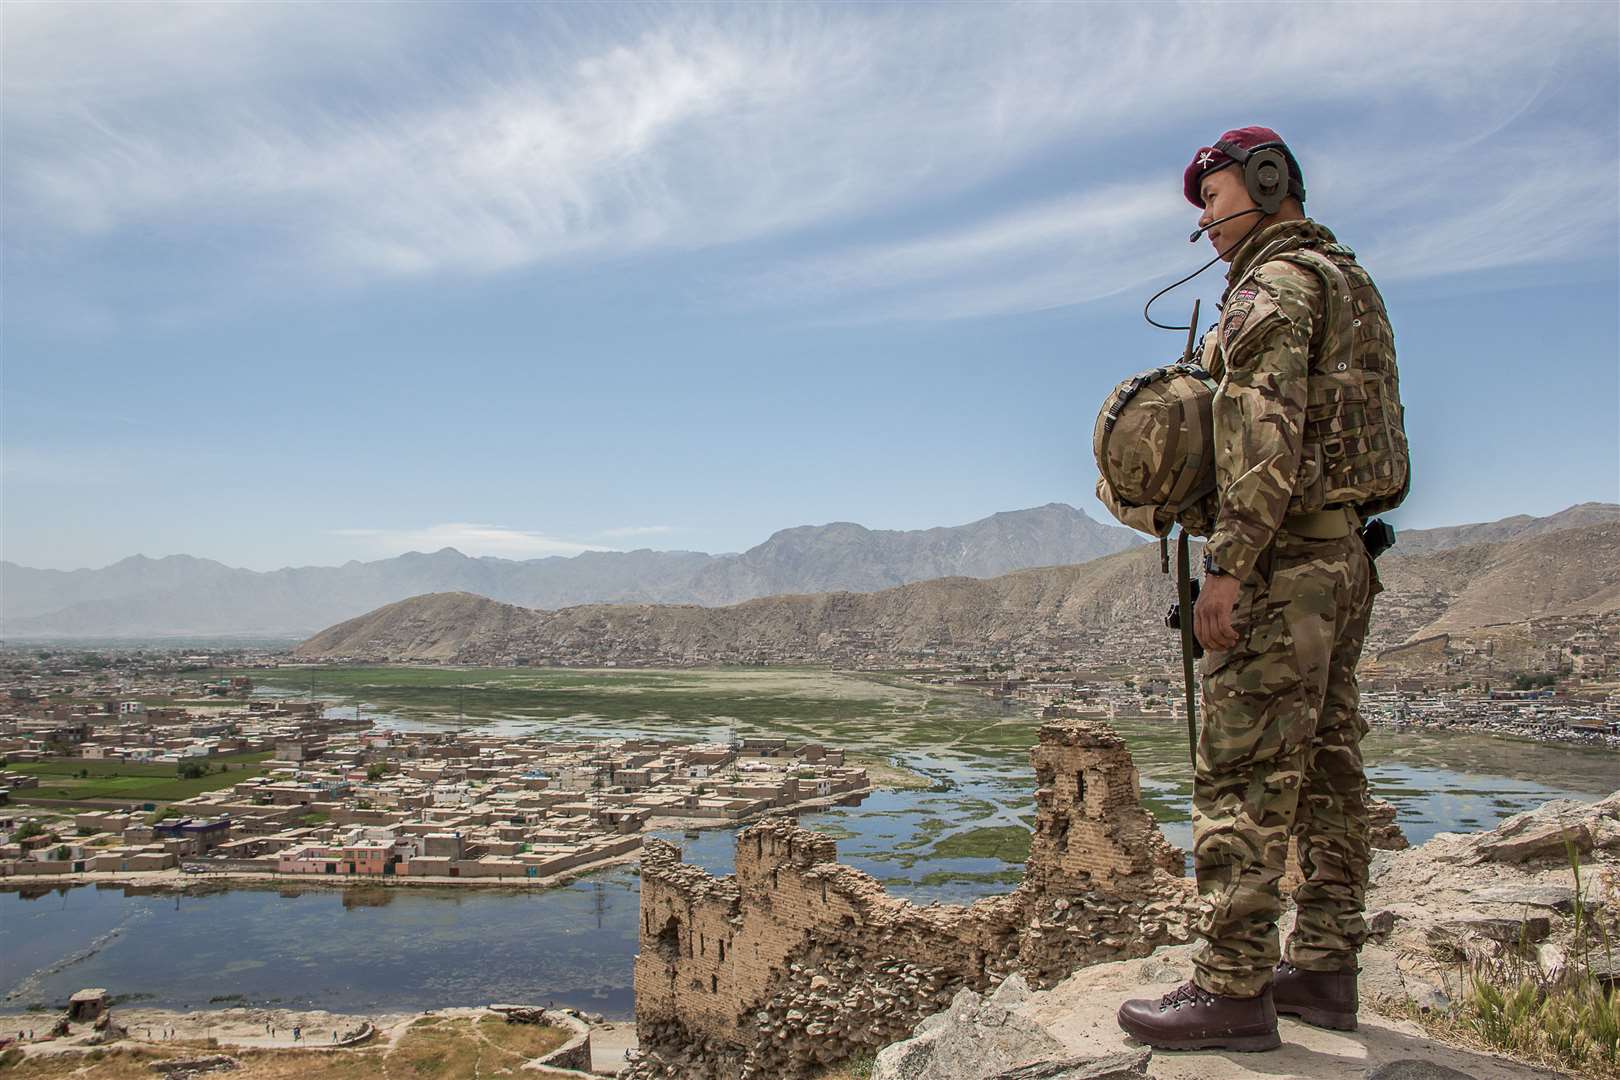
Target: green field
point(871, 713)
point(134, 781)
point(757, 699)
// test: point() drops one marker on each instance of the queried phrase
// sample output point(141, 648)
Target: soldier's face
point(1223, 193)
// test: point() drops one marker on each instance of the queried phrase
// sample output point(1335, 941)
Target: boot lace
point(1188, 993)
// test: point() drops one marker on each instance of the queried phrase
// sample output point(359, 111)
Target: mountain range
point(182, 595)
point(1110, 605)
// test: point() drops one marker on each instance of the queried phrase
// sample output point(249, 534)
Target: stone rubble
point(976, 1037)
point(795, 962)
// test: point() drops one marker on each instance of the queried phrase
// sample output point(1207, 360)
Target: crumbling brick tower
point(795, 961)
point(1101, 882)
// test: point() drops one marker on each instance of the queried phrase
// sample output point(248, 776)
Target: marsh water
point(961, 837)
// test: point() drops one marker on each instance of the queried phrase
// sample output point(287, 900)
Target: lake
point(410, 949)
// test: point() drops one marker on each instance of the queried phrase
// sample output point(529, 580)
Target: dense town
point(329, 795)
point(277, 786)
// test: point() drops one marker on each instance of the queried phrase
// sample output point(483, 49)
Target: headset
point(1266, 173)
point(1268, 180)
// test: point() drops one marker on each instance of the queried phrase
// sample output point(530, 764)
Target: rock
point(1560, 898)
point(971, 1040)
point(186, 1068)
point(1510, 845)
point(1507, 931)
point(1163, 969)
point(1012, 992)
point(1383, 833)
point(1123, 1066)
point(1382, 980)
point(1604, 965)
point(1380, 924)
point(1552, 961)
point(1414, 1069)
point(1427, 997)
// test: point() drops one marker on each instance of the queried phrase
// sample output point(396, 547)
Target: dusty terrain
point(449, 1044)
point(1541, 890)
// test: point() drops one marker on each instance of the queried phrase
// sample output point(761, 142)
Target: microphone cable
point(1194, 239)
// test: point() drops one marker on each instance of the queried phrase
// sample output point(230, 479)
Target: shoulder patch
point(1248, 304)
point(1236, 314)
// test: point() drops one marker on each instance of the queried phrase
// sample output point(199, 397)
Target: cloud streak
point(357, 142)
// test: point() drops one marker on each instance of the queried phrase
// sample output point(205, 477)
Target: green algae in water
point(1004, 842)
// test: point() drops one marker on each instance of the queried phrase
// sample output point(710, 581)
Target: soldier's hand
point(1212, 615)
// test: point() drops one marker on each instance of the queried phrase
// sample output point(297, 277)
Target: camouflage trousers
point(1280, 755)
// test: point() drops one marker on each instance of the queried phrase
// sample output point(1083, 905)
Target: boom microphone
point(1193, 239)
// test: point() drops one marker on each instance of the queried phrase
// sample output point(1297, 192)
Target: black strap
point(1184, 597)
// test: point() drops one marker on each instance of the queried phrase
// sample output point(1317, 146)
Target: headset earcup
point(1265, 174)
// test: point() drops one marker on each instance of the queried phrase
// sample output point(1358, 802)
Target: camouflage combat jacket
point(1308, 414)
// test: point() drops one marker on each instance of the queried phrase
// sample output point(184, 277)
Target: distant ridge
point(182, 595)
point(1571, 572)
point(1412, 541)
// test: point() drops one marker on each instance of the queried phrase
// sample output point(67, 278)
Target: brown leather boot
point(1325, 999)
point(1188, 1018)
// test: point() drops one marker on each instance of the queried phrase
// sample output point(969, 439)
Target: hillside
point(1109, 606)
point(1519, 526)
point(142, 597)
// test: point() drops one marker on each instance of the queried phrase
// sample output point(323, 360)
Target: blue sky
point(290, 284)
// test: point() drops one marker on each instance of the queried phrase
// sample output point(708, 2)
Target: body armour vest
point(1354, 449)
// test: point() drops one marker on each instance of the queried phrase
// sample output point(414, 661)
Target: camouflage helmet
point(1155, 447)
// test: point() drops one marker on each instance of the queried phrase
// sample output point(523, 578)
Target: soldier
point(1308, 439)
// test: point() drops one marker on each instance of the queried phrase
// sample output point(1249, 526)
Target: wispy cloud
point(1553, 197)
point(1052, 253)
point(468, 538)
point(358, 141)
point(1557, 200)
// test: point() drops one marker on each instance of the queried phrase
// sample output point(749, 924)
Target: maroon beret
point(1209, 158)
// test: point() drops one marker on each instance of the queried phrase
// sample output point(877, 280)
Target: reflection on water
point(424, 948)
point(408, 948)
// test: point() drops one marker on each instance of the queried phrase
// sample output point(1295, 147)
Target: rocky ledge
point(1510, 894)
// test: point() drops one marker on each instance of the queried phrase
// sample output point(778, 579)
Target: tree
point(376, 771)
point(191, 769)
point(28, 829)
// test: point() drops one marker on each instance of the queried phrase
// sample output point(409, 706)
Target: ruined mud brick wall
point(795, 960)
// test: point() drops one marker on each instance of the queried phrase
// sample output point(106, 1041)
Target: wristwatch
point(1211, 569)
